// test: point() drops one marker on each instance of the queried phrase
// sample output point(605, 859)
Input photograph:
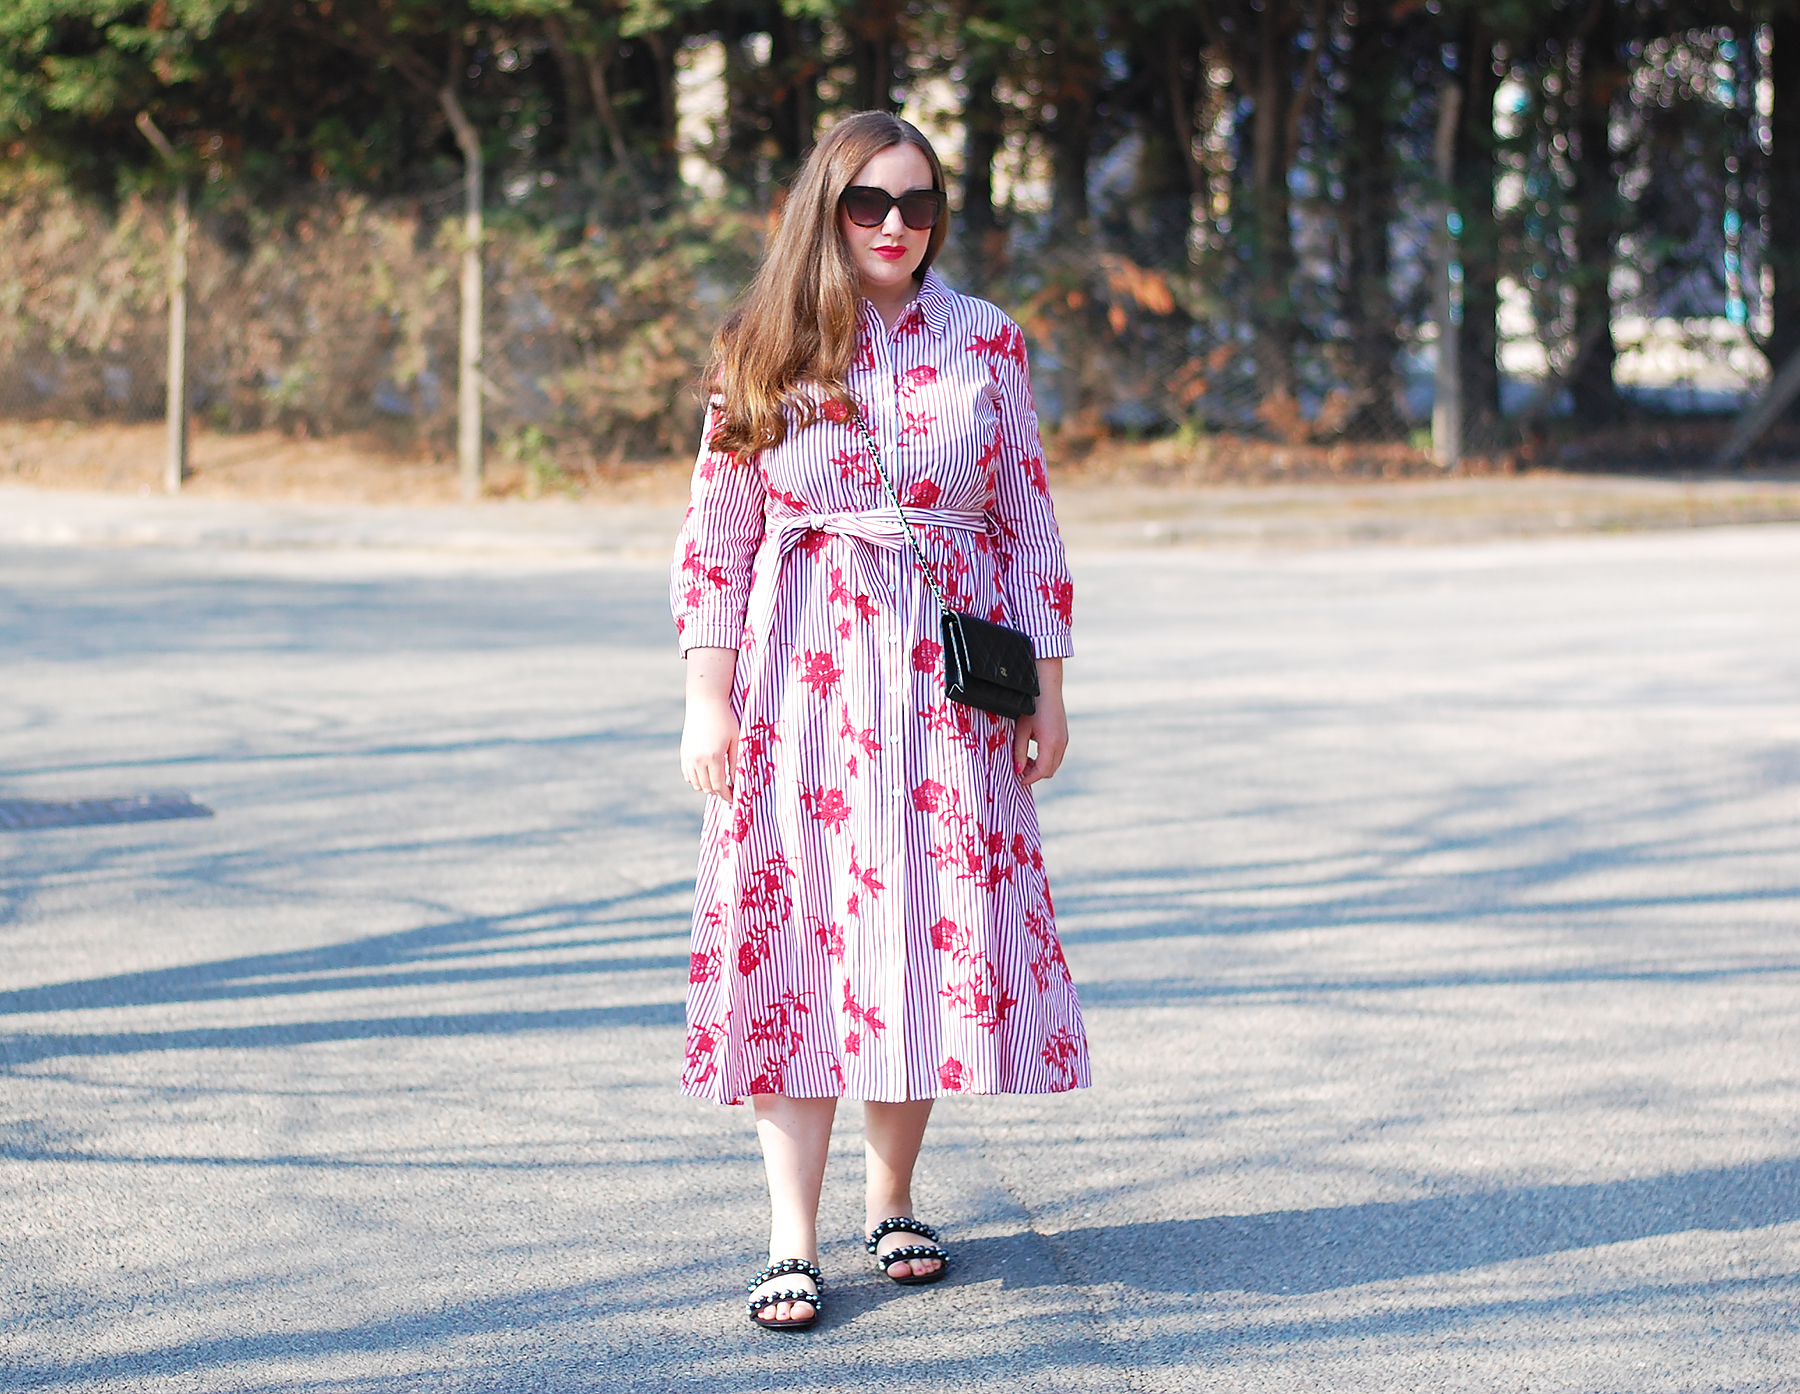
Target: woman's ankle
point(887, 1207)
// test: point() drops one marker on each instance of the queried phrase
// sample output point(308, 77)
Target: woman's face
point(886, 256)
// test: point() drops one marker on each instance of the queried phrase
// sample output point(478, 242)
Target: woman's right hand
point(709, 735)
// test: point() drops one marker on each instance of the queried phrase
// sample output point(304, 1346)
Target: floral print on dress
point(872, 917)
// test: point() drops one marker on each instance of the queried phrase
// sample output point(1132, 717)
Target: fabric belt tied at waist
point(880, 528)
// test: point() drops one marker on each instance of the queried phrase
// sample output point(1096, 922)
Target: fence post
point(1446, 409)
point(468, 358)
point(175, 467)
point(175, 402)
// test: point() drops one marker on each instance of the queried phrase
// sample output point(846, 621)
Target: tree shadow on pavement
point(1309, 1251)
point(406, 958)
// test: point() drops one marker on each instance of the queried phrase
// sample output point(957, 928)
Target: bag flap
point(992, 652)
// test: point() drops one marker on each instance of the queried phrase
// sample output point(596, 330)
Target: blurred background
point(1242, 228)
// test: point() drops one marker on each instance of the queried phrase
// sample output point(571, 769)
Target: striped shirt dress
point(872, 918)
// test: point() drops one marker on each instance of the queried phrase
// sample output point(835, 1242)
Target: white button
point(895, 792)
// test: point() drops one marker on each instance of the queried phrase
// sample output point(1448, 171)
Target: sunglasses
point(868, 207)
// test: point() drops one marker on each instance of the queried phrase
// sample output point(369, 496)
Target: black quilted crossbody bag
point(986, 665)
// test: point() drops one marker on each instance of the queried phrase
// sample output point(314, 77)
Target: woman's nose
point(894, 225)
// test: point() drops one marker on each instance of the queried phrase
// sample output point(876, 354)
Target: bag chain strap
point(912, 537)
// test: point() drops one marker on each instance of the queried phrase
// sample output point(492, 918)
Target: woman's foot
point(906, 1250)
point(778, 1295)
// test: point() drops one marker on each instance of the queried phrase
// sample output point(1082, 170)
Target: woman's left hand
point(1047, 728)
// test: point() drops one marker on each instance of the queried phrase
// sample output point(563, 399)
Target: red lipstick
point(890, 253)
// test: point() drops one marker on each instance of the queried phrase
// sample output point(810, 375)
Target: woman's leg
point(795, 1136)
point(892, 1135)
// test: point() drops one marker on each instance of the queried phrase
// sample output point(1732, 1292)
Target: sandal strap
point(770, 1299)
point(911, 1251)
point(899, 1224)
point(782, 1268)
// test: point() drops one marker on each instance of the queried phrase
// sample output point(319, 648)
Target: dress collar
point(931, 304)
point(934, 303)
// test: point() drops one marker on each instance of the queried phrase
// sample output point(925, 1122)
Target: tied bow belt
point(878, 528)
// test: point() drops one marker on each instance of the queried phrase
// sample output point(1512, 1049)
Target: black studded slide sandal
point(905, 1224)
point(793, 1294)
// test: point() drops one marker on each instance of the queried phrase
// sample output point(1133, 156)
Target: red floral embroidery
point(1048, 964)
point(827, 806)
point(971, 851)
point(695, 565)
point(952, 1075)
point(864, 875)
point(766, 906)
point(913, 379)
point(703, 1042)
point(854, 467)
point(704, 968)
point(830, 937)
point(1062, 1051)
point(980, 996)
point(923, 494)
point(864, 740)
point(925, 655)
point(779, 1025)
point(1060, 593)
point(1007, 345)
point(915, 423)
point(818, 672)
point(930, 796)
point(954, 720)
point(868, 1017)
point(989, 454)
point(756, 758)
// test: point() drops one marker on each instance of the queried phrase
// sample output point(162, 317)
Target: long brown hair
point(790, 338)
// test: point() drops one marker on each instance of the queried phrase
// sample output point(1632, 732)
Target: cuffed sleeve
point(1033, 571)
point(715, 552)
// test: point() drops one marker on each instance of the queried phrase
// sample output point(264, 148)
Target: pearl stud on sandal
point(905, 1224)
point(794, 1294)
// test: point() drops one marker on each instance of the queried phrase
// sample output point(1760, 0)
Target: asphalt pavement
point(1434, 909)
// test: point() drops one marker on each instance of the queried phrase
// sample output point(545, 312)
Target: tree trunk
point(659, 51)
point(875, 37)
point(794, 102)
point(468, 358)
point(1784, 187)
point(1071, 137)
point(984, 131)
point(1268, 205)
point(1372, 65)
point(1599, 214)
point(1476, 172)
point(1179, 54)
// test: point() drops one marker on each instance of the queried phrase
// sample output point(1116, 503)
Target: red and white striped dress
point(871, 915)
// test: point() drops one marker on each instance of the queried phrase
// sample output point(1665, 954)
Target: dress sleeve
point(715, 552)
point(1033, 572)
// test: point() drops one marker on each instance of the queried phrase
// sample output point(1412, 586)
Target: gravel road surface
point(1436, 909)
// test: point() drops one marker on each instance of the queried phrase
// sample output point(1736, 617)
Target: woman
point(871, 917)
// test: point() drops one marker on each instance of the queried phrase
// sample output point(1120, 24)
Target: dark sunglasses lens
point(920, 209)
point(868, 207)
